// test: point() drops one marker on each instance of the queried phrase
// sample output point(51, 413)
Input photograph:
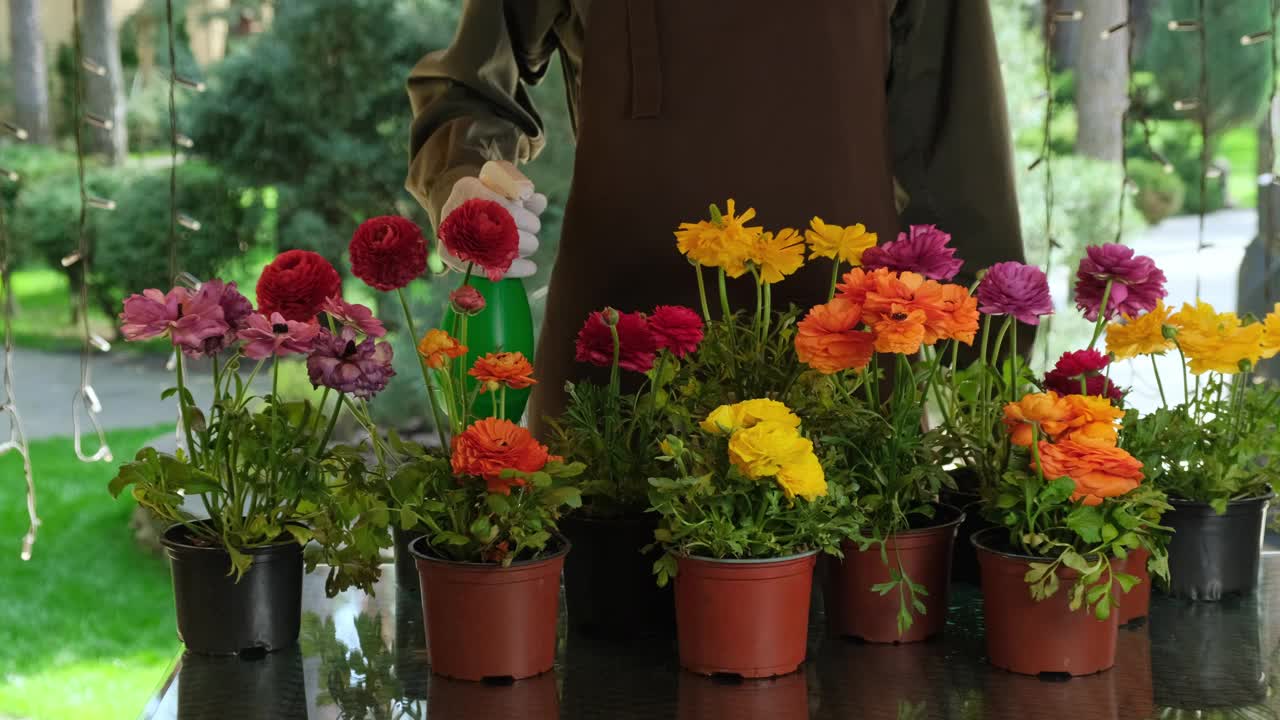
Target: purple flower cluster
point(1012, 288)
point(1136, 283)
point(923, 251)
point(359, 368)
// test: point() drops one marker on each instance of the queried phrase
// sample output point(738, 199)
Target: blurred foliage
point(1160, 194)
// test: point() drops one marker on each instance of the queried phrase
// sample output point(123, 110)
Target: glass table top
point(363, 657)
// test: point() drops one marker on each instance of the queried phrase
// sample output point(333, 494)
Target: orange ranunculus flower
point(1045, 410)
point(958, 316)
point(1088, 409)
point(901, 330)
point(438, 346)
point(490, 446)
point(827, 339)
point(1098, 472)
point(1095, 434)
point(885, 289)
point(853, 286)
point(506, 368)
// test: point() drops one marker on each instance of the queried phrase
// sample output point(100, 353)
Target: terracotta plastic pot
point(743, 617)
point(1212, 555)
point(1030, 637)
point(855, 610)
point(781, 698)
point(485, 621)
point(1135, 604)
point(608, 582)
point(218, 615)
point(536, 698)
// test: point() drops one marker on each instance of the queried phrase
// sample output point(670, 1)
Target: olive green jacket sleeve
point(952, 148)
point(470, 101)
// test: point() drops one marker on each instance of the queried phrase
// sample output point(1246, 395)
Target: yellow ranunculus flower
point(766, 447)
point(1143, 335)
point(803, 478)
point(1216, 342)
point(1271, 334)
point(725, 244)
point(833, 241)
point(730, 418)
point(778, 255)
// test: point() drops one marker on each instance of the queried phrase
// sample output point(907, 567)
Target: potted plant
point(1071, 508)
point(742, 519)
point(479, 511)
point(1216, 454)
point(893, 581)
point(261, 468)
point(615, 433)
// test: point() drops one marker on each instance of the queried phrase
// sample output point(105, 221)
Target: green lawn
point(42, 318)
point(86, 626)
point(1240, 148)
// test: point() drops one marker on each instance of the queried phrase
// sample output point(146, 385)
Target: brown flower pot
point(855, 610)
point(1030, 637)
point(1135, 604)
point(485, 621)
point(781, 698)
point(743, 617)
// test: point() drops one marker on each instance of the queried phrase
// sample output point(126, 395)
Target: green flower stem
point(182, 409)
point(768, 310)
point(1015, 382)
point(1101, 323)
point(991, 410)
point(983, 391)
point(615, 381)
point(702, 293)
point(1155, 369)
point(426, 374)
point(275, 414)
point(835, 278)
point(333, 421)
point(724, 293)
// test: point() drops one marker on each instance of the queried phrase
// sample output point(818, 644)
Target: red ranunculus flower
point(1082, 365)
point(296, 284)
point(676, 328)
point(482, 232)
point(388, 252)
point(636, 342)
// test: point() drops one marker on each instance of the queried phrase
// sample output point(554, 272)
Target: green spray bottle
point(504, 325)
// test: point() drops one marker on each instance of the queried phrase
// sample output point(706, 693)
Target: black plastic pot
point(406, 567)
point(271, 687)
point(609, 584)
point(1211, 555)
point(964, 564)
point(218, 615)
point(1208, 655)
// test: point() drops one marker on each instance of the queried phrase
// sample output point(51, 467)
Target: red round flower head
point(484, 233)
point(1082, 365)
point(296, 284)
point(676, 328)
point(637, 345)
point(388, 252)
point(466, 300)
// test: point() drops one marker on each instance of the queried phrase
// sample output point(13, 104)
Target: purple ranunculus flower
point(355, 316)
point(151, 314)
point(923, 251)
point(265, 337)
point(201, 328)
point(1013, 288)
point(236, 310)
point(1137, 284)
point(339, 362)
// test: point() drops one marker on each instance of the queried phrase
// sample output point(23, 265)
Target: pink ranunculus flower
point(266, 337)
point(466, 300)
point(201, 328)
point(236, 310)
point(924, 250)
point(1136, 283)
point(362, 369)
point(354, 315)
point(151, 314)
point(1013, 288)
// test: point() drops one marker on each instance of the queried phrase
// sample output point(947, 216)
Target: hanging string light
point(1126, 183)
point(1052, 16)
point(85, 398)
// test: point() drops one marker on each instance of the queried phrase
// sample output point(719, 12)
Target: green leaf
point(570, 496)
point(1103, 609)
point(1127, 581)
point(452, 538)
point(1075, 561)
point(884, 588)
point(1087, 522)
point(1095, 593)
point(1056, 492)
point(1219, 505)
point(1109, 532)
point(300, 533)
point(168, 393)
point(480, 528)
point(1005, 501)
point(498, 503)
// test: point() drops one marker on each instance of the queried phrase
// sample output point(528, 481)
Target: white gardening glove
point(502, 183)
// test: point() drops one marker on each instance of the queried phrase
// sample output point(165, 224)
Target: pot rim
point(1182, 502)
point(956, 521)
point(169, 540)
point(749, 561)
point(565, 546)
point(977, 538)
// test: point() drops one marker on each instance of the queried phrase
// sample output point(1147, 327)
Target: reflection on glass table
point(364, 658)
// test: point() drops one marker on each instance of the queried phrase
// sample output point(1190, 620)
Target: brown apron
point(779, 105)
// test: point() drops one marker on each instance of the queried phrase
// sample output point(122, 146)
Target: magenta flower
point(276, 336)
point(924, 251)
point(151, 314)
point(466, 300)
point(1136, 283)
point(201, 328)
point(1080, 373)
point(354, 316)
point(236, 310)
point(339, 362)
point(1012, 288)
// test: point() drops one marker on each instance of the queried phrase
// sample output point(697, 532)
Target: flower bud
point(466, 300)
point(1170, 332)
point(610, 317)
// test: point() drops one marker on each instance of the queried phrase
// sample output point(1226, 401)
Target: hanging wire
point(1052, 18)
point(173, 144)
point(85, 398)
point(1203, 106)
point(17, 441)
point(1130, 100)
point(1269, 242)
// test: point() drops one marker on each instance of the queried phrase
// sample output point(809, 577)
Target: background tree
point(1102, 81)
point(30, 72)
point(104, 96)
